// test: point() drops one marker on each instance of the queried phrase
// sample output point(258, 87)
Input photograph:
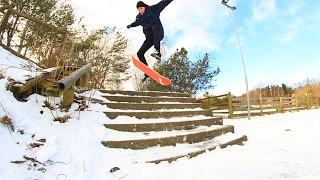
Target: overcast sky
point(279, 39)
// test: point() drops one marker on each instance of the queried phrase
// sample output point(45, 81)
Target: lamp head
point(232, 8)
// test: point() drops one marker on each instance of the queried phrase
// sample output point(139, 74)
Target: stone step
point(169, 125)
point(146, 93)
point(162, 125)
point(148, 99)
point(159, 114)
point(172, 153)
point(182, 150)
point(138, 140)
point(151, 106)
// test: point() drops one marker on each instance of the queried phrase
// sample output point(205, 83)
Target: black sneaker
point(145, 78)
point(156, 55)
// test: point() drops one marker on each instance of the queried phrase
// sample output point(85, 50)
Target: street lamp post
point(224, 2)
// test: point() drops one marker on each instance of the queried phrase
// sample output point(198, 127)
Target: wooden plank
point(208, 98)
point(239, 99)
point(245, 109)
point(255, 103)
point(254, 99)
point(270, 98)
point(30, 84)
point(222, 108)
point(288, 106)
point(287, 98)
point(221, 104)
point(218, 112)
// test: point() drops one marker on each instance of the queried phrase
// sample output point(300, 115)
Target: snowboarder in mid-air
point(149, 19)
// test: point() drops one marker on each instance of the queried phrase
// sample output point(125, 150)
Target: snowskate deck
point(151, 73)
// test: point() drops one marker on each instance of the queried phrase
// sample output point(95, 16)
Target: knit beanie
point(141, 4)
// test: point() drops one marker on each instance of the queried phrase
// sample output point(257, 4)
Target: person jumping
point(149, 19)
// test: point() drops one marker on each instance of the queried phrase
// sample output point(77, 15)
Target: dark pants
point(152, 40)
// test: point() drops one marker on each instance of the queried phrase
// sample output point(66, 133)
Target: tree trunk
point(25, 29)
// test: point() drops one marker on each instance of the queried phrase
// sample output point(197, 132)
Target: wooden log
point(38, 21)
point(5, 7)
point(5, 18)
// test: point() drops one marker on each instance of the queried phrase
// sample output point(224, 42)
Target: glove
point(128, 26)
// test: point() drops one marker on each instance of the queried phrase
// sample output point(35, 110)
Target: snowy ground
point(280, 146)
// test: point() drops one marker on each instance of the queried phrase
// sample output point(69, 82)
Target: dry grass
point(5, 120)
point(63, 119)
point(48, 105)
point(1, 75)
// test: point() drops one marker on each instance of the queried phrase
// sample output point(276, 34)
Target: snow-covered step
point(158, 154)
point(173, 153)
point(145, 93)
point(159, 114)
point(151, 106)
point(148, 99)
point(142, 140)
point(162, 120)
point(147, 125)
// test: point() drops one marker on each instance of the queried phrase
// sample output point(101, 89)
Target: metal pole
point(69, 80)
point(244, 67)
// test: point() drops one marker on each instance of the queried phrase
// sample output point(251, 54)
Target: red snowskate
point(151, 73)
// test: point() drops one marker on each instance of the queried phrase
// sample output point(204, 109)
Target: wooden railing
point(44, 85)
point(18, 24)
point(235, 106)
point(50, 46)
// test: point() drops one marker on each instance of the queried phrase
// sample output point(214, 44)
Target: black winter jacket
point(151, 17)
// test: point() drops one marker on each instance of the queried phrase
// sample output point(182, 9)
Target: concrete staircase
point(166, 125)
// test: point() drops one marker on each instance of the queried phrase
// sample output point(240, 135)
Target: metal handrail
point(69, 80)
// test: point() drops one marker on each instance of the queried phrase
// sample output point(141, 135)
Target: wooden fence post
point(281, 104)
point(308, 102)
point(261, 106)
point(230, 106)
point(68, 96)
point(83, 80)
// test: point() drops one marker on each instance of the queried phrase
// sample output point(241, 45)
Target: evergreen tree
point(186, 76)
point(287, 90)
